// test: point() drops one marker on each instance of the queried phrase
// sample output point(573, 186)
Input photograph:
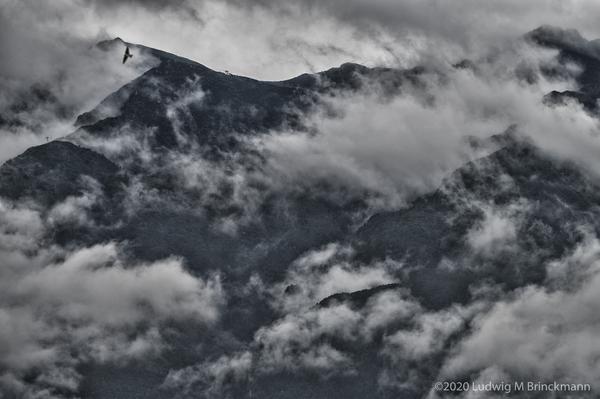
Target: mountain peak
point(565, 40)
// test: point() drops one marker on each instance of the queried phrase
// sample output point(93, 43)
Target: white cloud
point(61, 308)
point(429, 336)
point(217, 375)
point(540, 333)
point(326, 271)
point(497, 231)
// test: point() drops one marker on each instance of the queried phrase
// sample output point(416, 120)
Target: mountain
point(158, 163)
point(51, 172)
point(215, 104)
point(573, 48)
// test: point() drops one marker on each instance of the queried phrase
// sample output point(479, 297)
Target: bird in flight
point(127, 54)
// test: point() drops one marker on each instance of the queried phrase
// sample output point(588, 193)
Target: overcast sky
point(271, 39)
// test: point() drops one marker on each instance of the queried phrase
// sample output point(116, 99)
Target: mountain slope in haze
point(573, 48)
point(180, 106)
point(210, 105)
point(129, 166)
point(49, 173)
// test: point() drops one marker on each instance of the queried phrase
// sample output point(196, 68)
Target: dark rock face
point(216, 109)
point(223, 104)
point(589, 101)
point(573, 48)
point(558, 199)
point(357, 298)
point(51, 172)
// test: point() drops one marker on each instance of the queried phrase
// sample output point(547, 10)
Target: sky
point(279, 39)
